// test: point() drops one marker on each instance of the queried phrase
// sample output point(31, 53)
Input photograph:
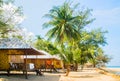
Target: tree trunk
point(76, 66)
point(68, 70)
point(94, 64)
point(82, 66)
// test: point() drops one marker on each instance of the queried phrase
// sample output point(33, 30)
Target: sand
point(31, 77)
point(88, 75)
point(85, 75)
point(113, 69)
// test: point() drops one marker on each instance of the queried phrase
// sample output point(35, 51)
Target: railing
point(17, 66)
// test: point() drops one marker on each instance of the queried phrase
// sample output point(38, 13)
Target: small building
point(12, 53)
point(45, 61)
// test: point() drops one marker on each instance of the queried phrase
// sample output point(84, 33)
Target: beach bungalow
point(47, 62)
point(12, 53)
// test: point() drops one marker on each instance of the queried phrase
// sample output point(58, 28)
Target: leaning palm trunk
point(94, 63)
point(68, 70)
point(76, 66)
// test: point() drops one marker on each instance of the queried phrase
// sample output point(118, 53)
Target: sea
point(114, 67)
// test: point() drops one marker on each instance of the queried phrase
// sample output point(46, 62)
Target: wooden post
point(26, 75)
point(36, 65)
point(8, 72)
point(45, 64)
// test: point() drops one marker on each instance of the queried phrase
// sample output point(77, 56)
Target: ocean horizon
point(113, 66)
point(114, 71)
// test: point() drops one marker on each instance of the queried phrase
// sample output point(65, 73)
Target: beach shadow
point(31, 77)
point(86, 76)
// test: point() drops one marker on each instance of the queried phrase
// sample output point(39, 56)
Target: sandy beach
point(85, 75)
point(113, 69)
point(31, 77)
point(88, 75)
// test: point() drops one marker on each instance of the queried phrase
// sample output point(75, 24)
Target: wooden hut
point(12, 52)
point(46, 61)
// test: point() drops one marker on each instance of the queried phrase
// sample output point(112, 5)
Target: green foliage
point(67, 28)
point(101, 57)
point(89, 44)
point(9, 22)
point(62, 24)
point(45, 45)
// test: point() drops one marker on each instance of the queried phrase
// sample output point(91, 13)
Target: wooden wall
point(4, 60)
point(43, 63)
point(6, 57)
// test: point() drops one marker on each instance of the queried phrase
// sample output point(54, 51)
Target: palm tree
point(65, 28)
point(62, 23)
point(101, 58)
point(91, 42)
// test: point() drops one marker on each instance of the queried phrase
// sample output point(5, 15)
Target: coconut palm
point(101, 58)
point(91, 42)
point(65, 28)
point(62, 23)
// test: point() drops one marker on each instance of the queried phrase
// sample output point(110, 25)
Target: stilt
point(26, 75)
point(8, 72)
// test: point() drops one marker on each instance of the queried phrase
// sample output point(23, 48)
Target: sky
point(106, 12)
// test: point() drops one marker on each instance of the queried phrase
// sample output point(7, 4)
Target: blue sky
point(106, 12)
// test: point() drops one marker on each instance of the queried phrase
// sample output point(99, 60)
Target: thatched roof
point(13, 43)
point(17, 44)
